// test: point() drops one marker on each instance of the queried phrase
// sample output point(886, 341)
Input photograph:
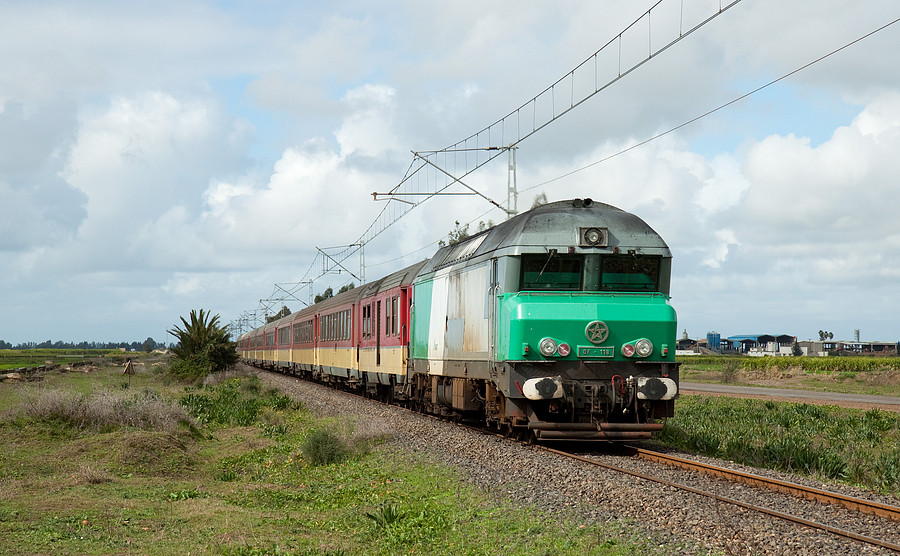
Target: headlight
point(643, 347)
point(548, 347)
point(593, 236)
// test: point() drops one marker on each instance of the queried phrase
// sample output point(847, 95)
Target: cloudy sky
point(157, 157)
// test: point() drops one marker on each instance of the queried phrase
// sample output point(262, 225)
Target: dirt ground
point(839, 403)
point(883, 383)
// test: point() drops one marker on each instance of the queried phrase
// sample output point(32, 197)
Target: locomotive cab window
point(555, 272)
point(629, 273)
point(551, 272)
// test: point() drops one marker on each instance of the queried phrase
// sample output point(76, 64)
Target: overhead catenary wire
point(434, 163)
point(683, 124)
point(493, 148)
point(714, 110)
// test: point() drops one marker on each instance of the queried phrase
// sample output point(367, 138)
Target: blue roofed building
point(759, 344)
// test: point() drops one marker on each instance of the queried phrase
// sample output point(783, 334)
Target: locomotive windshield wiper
point(552, 252)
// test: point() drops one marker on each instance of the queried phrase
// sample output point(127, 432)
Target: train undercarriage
point(527, 403)
point(551, 407)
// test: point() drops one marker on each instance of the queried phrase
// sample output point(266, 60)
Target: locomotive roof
point(556, 226)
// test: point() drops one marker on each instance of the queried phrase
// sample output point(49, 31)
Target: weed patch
point(106, 410)
point(852, 445)
point(323, 447)
point(236, 402)
point(91, 474)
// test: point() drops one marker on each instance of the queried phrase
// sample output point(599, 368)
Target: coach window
point(365, 321)
point(387, 319)
point(395, 303)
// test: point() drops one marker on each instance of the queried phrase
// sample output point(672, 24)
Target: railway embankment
point(679, 521)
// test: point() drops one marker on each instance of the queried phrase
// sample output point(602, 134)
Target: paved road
point(759, 392)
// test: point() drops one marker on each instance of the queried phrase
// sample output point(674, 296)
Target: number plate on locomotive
point(593, 351)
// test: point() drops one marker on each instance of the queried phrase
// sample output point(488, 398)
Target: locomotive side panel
point(468, 333)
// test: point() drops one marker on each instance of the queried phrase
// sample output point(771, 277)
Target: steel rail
point(664, 458)
point(761, 509)
point(801, 491)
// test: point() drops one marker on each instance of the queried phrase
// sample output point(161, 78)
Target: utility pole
point(512, 193)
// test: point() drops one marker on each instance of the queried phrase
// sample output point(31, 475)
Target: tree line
point(147, 345)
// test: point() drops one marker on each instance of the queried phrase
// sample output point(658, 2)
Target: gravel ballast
point(676, 521)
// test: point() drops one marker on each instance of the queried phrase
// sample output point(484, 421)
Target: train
point(556, 324)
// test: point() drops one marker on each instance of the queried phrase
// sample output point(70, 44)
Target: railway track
point(850, 504)
point(794, 489)
point(809, 493)
point(801, 491)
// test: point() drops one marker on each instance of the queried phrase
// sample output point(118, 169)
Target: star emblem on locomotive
point(597, 332)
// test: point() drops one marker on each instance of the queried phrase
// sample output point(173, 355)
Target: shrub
point(237, 401)
point(88, 474)
point(730, 371)
point(387, 514)
point(323, 447)
point(223, 405)
point(203, 347)
point(190, 369)
point(105, 410)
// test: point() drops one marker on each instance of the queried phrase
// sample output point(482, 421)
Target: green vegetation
point(807, 364)
point(852, 445)
point(860, 375)
point(203, 347)
point(105, 410)
point(14, 359)
point(238, 474)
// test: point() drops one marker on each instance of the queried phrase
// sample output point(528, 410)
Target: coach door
point(378, 333)
point(493, 286)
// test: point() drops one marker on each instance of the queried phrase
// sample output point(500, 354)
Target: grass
point(854, 375)
point(850, 445)
point(105, 410)
point(808, 364)
point(243, 480)
point(11, 359)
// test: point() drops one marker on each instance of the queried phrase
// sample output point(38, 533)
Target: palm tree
point(203, 346)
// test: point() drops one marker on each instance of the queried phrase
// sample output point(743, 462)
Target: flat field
point(11, 359)
point(91, 463)
point(852, 375)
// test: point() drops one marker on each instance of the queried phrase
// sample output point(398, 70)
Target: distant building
point(759, 344)
point(822, 349)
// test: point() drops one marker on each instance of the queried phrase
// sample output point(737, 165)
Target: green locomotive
point(555, 324)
